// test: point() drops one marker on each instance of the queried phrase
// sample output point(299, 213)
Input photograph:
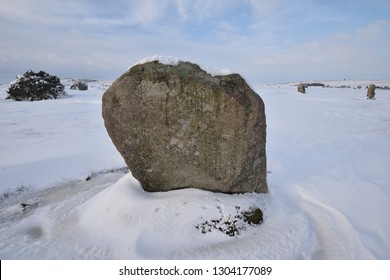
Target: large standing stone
point(371, 91)
point(179, 127)
point(302, 88)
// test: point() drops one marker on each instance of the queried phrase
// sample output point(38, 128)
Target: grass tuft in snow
point(13, 192)
point(233, 225)
point(107, 171)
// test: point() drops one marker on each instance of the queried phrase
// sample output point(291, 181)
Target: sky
point(266, 41)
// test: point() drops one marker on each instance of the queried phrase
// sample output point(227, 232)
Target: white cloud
point(203, 10)
point(42, 11)
point(147, 11)
point(264, 7)
point(359, 54)
point(263, 39)
point(374, 31)
point(182, 9)
point(227, 27)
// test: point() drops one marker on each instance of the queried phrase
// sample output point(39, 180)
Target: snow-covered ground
point(329, 180)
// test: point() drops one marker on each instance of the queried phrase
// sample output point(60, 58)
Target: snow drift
point(328, 161)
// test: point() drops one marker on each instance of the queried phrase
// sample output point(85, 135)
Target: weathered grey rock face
point(371, 91)
point(179, 127)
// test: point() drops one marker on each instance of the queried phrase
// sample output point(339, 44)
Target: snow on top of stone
point(170, 60)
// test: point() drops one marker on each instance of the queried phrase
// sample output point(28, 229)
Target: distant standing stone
point(371, 91)
point(179, 127)
point(301, 88)
point(80, 85)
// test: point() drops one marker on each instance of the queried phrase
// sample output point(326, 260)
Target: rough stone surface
point(302, 88)
point(371, 91)
point(179, 127)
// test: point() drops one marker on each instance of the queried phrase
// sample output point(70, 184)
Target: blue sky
point(264, 40)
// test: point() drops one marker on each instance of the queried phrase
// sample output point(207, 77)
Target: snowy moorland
point(65, 194)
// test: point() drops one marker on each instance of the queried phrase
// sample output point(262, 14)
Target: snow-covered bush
point(35, 86)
